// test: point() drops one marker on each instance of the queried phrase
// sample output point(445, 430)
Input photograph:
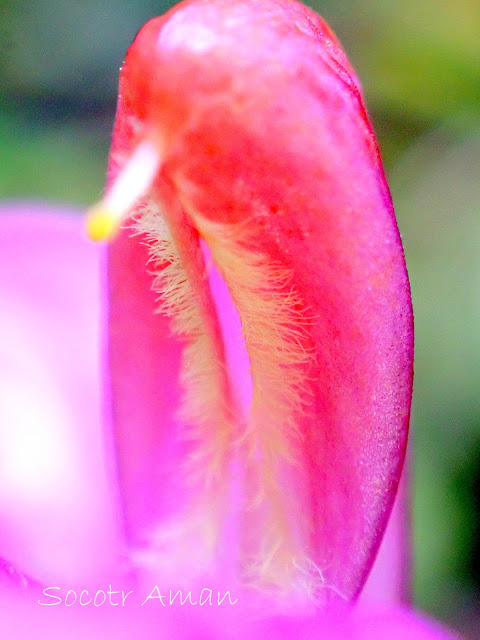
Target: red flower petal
point(268, 156)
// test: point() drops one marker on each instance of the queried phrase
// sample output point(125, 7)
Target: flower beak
point(261, 364)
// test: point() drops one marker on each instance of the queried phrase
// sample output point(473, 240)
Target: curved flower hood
point(267, 403)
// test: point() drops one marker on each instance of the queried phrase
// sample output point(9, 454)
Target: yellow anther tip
point(100, 224)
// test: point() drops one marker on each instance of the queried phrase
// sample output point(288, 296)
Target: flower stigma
point(134, 181)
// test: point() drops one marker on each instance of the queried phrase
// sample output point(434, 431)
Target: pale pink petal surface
point(57, 494)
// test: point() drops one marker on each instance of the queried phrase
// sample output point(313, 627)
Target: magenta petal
point(144, 364)
point(375, 623)
point(57, 495)
point(397, 624)
point(389, 580)
point(22, 619)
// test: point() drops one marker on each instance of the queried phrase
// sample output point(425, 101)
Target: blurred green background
point(420, 67)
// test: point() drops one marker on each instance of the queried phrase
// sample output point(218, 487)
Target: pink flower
point(260, 420)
